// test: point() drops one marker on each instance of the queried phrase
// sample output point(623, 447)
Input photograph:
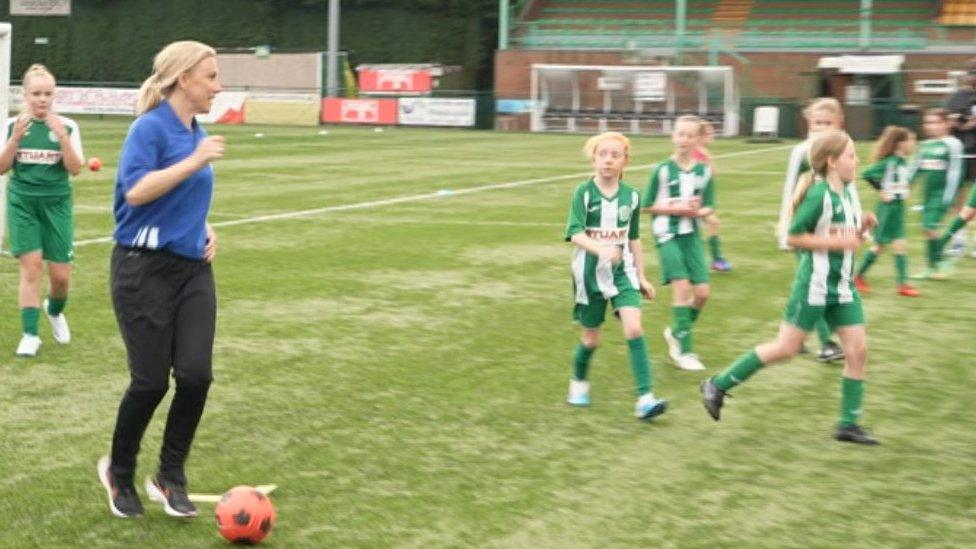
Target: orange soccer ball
point(94, 164)
point(245, 515)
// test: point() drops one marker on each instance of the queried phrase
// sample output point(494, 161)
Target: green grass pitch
point(399, 368)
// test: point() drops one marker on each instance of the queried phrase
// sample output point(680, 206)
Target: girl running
point(824, 114)
point(827, 229)
point(889, 174)
point(940, 165)
point(681, 192)
point(608, 265)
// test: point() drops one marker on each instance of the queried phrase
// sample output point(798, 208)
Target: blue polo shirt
point(176, 221)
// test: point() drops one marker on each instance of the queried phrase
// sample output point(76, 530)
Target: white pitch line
point(478, 223)
point(424, 196)
point(109, 209)
point(92, 208)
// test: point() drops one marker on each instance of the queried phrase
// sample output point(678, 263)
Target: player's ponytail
point(170, 63)
point(888, 142)
point(823, 147)
point(36, 69)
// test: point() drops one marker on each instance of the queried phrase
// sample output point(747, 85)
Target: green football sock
point(581, 361)
point(954, 227)
point(28, 318)
point(681, 327)
point(932, 246)
point(823, 332)
point(866, 262)
point(901, 267)
point(715, 245)
point(56, 305)
point(694, 313)
point(739, 371)
point(851, 394)
point(640, 364)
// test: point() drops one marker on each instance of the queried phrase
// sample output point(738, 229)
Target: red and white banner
point(227, 108)
point(426, 111)
point(395, 81)
point(85, 100)
point(359, 111)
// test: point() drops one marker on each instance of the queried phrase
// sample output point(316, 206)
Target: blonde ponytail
point(36, 69)
point(170, 63)
point(803, 185)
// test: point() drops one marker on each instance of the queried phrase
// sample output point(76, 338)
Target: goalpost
point(638, 99)
point(5, 31)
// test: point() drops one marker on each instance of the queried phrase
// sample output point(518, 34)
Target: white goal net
point(635, 99)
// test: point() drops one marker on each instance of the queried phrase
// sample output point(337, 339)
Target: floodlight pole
point(865, 24)
point(681, 12)
point(503, 14)
point(332, 55)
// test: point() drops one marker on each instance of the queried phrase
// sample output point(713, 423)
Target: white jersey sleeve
point(789, 185)
point(75, 136)
point(954, 170)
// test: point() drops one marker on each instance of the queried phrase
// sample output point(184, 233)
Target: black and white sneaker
point(123, 500)
point(172, 495)
point(855, 434)
point(713, 398)
point(830, 352)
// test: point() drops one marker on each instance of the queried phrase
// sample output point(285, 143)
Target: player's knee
point(590, 338)
point(856, 353)
point(148, 388)
point(30, 271)
point(702, 293)
point(633, 331)
point(195, 380)
point(791, 348)
point(59, 283)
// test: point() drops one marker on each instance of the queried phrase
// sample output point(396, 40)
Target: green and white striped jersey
point(891, 174)
point(939, 162)
point(825, 277)
point(611, 221)
point(669, 183)
point(38, 169)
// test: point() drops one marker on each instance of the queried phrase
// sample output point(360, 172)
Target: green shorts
point(593, 314)
point(41, 223)
point(683, 257)
point(933, 212)
point(891, 221)
point(971, 201)
point(805, 316)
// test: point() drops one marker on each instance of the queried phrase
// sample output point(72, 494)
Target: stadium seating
point(753, 24)
point(596, 24)
point(958, 12)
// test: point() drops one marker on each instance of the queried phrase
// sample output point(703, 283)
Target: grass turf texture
point(400, 370)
